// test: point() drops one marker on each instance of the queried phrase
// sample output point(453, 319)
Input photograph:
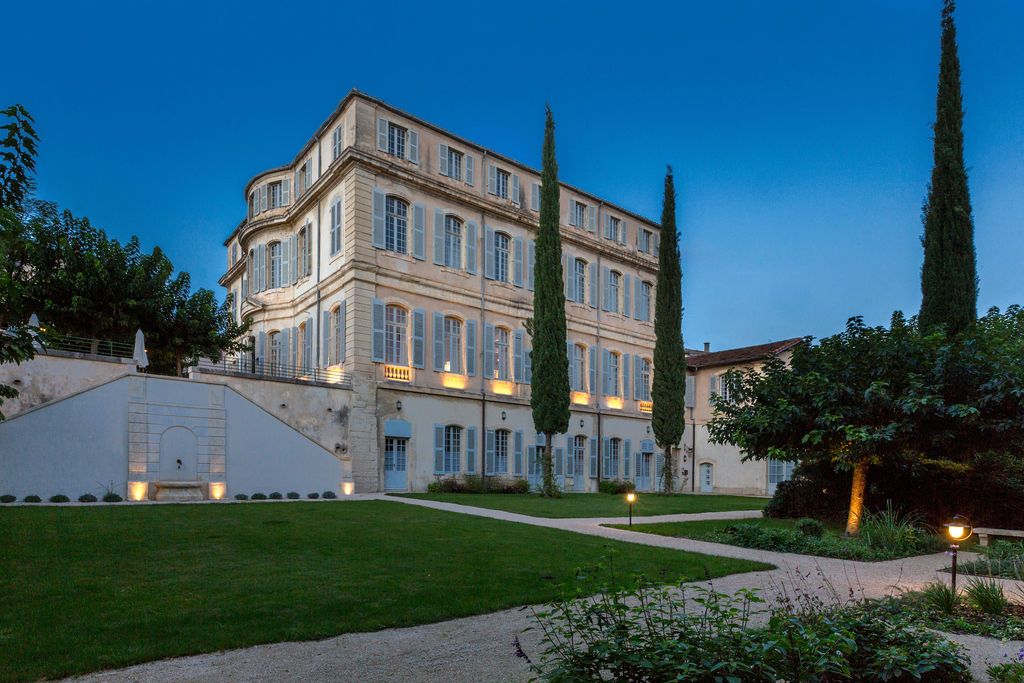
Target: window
point(396, 222)
point(611, 458)
point(453, 345)
point(779, 471)
point(502, 242)
point(614, 285)
point(396, 141)
point(274, 257)
point(301, 353)
point(454, 164)
point(579, 451)
point(334, 337)
point(579, 215)
point(303, 177)
point(644, 311)
point(578, 378)
point(275, 195)
point(502, 367)
point(611, 228)
point(580, 273)
point(724, 390)
point(305, 251)
point(394, 336)
point(336, 227)
point(645, 242)
point(614, 362)
point(234, 253)
point(276, 357)
point(338, 140)
point(452, 242)
point(644, 390)
point(501, 451)
point(452, 448)
point(254, 204)
point(501, 182)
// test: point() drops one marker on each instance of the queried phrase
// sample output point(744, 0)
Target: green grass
point(594, 504)
point(87, 588)
point(707, 529)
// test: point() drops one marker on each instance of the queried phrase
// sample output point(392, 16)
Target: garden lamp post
point(959, 529)
point(631, 498)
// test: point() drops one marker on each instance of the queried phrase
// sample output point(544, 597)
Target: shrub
point(292, 495)
point(940, 597)
point(32, 499)
point(8, 498)
point(1008, 672)
point(518, 486)
point(986, 594)
point(241, 496)
point(313, 496)
point(615, 486)
point(60, 498)
point(893, 531)
point(259, 496)
point(87, 498)
point(111, 497)
point(810, 527)
point(276, 496)
point(330, 494)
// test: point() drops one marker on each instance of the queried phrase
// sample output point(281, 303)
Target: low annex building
point(395, 259)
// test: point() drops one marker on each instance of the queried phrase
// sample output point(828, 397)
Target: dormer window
point(397, 141)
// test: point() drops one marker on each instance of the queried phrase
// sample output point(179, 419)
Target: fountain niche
point(178, 480)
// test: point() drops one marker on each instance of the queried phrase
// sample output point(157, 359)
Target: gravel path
point(480, 648)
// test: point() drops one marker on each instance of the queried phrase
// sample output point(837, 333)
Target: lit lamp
point(631, 498)
point(959, 529)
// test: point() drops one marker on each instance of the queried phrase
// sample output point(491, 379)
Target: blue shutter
point(261, 265)
point(622, 231)
point(517, 453)
point(593, 456)
point(294, 341)
point(592, 218)
point(284, 337)
point(261, 345)
point(438, 237)
point(573, 381)
point(471, 449)
point(605, 372)
point(572, 213)
point(419, 219)
point(325, 339)
point(286, 260)
point(470, 175)
point(515, 190)
point(488, 252)
point(378, 218)
point(517, 261)
point(517, 355)
point(625, 375)
point(531, 259)
point(489, 452)
point(438, 448)
point(606, 453)
point(528, 363)
point(442, 158)
point(377, 345)
point(382, 134)
point(606, 297)
point(471, 247)
point(535, 197)
point(559, 458)
point(626, 459)
point(570, 278)
point(488, 351)
point(637, 379)
point(438, 342)
point(342, 331)
point(307, 346)
point(492, 179)
point(638, 306)
point(419, 325)
point(712, 387)
point(413, 148)
point(295, 255)
point(593, 285)
point(625, 295)
point(592, 385)
point(470, 347)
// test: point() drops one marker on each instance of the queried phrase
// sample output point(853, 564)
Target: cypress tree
point(549, 395)
point(949, 281)
point(669, 389)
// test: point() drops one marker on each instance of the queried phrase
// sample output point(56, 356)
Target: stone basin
point(179, 490)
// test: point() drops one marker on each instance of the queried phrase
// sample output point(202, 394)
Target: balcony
point(398, 373)
point(646, 406)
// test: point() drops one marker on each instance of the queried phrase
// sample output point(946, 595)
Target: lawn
point(595, 504)
point(87, 588)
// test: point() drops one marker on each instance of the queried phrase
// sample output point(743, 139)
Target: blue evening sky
point(799, 130)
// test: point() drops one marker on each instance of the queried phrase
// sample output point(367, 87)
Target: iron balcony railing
point(247, 366)
point(95, 347)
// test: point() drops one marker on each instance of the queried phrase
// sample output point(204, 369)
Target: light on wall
point(217, 490)
point(580, 398)
point(348, 488)
point(137, 490)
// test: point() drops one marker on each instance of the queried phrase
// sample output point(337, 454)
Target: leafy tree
point(669, 389)
point(17, 157)
point(549, 397)
point(949, 281)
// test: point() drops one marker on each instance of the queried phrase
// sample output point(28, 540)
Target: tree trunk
point(668, 472)
point(548, 468)
point(860, 484)
point(177, 363)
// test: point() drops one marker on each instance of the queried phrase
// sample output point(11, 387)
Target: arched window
point(614, 285)
point(453, 345)
point(395, 321)
point(274, 259)
point(501, 256)
point(578, 368)
point(644, 389)
point(611, 458)
point(614, 383)
point(502, 364)
point(304, 257)
point(396, 225)
point(452, 449)
point(304, 346)
point(452, 242)
point(334, 338)
point(335, 226)
point(580, 273)
point(501, 439)
point(578, 455)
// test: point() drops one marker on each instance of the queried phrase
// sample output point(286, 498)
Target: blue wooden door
point(643, 471)
point(395, 464)
point(535, 466)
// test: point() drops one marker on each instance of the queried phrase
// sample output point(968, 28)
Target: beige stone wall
point(57, 374)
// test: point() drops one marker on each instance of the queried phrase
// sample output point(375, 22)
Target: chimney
point(707, 347)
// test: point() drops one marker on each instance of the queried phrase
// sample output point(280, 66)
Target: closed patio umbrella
point(139, 355)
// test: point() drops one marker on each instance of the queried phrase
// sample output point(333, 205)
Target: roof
point(744, 354)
